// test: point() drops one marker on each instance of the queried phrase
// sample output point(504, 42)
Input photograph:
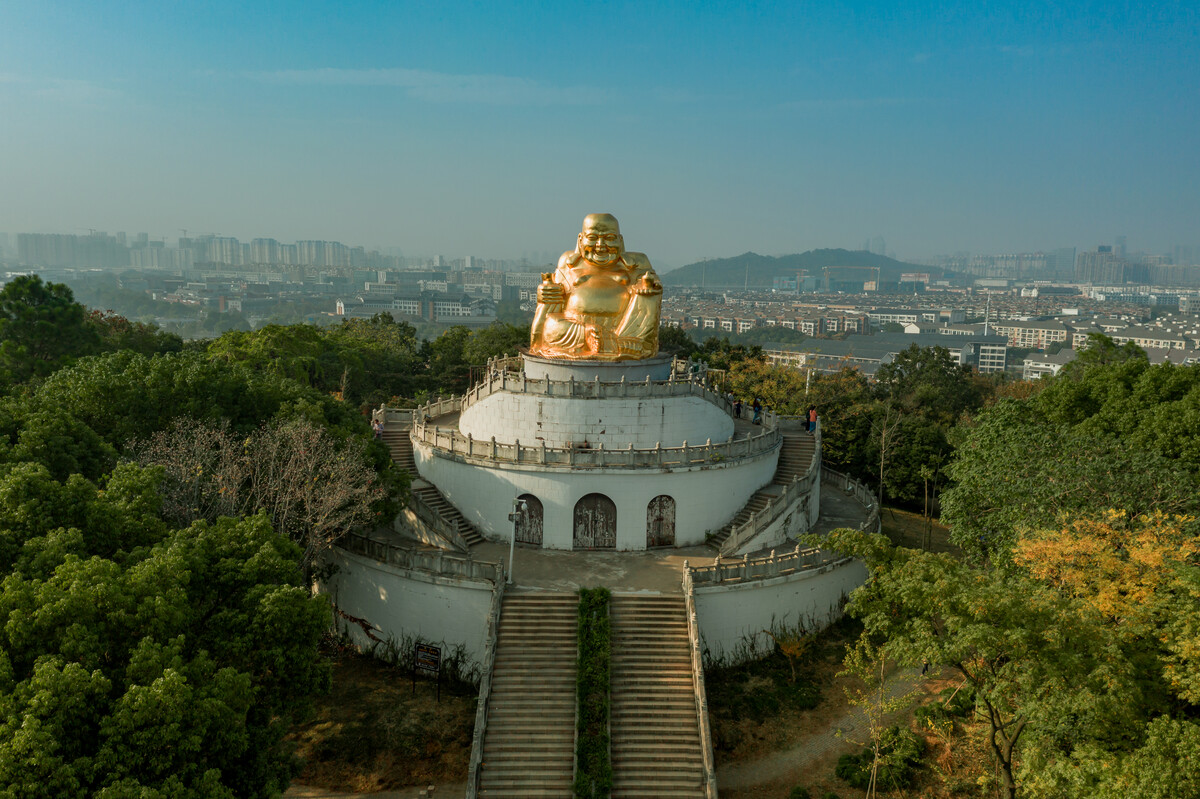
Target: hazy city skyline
point(491, 130)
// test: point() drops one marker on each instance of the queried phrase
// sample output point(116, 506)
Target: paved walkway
point(650, 572)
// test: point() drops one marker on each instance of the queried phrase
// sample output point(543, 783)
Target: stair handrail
point(485, 684)
point(706, 746)
point(775, 507)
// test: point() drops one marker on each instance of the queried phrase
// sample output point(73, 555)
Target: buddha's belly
point(597, 299)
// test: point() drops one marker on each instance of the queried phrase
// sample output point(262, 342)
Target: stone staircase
point(400, 445)
point(655, 731)
point(795, 455)
point(529, 746)
point(433, 499)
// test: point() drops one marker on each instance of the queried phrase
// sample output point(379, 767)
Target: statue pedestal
point(656, 368)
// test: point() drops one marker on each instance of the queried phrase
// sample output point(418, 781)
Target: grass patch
point(593, 767)
point(906, 529)
point(370, 733)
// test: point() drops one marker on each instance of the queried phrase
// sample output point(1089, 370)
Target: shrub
point(899, 755)
point(593, 769)
point(799, 792)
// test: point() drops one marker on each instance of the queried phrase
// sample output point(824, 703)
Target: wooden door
point(660, 522)
point(529, 529)
point(595, 523)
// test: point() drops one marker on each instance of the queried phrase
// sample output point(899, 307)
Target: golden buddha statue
point(601, 303)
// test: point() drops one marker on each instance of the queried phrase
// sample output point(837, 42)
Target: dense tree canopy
point(41, 328)
point(1073, 701)
point(138, 660)
point(157, 634)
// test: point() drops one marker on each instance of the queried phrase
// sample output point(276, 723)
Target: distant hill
point(761, 270)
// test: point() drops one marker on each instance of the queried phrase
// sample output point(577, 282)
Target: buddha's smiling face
point(600, 241)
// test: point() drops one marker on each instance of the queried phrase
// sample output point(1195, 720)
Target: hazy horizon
point(491, 131)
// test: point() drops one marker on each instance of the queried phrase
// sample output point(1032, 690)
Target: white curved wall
point(616, 423)
point(732, 617)
point(398, 603)
point(706, 497)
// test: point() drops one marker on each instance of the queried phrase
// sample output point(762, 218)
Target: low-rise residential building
point(1040, 364)
point(1030, 335)
point(868, 353)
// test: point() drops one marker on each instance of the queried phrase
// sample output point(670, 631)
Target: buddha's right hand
point(551, 294)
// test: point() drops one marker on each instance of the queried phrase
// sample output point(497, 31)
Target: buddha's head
point(600, 240)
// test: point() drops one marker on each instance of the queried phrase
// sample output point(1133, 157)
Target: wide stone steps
point(529, 746)
point(654, 728)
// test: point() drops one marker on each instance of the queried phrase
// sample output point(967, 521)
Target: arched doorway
point(660, 522)
point(595, 523)
point(529, 528)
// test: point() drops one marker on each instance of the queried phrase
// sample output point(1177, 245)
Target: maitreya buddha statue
point(602, 303)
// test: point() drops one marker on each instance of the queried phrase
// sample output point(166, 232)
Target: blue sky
point(490, 129)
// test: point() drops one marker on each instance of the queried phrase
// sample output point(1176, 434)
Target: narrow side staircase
point(655, 730)
point(400, 445)
point(433, 498)
point(795, 456)
point(529, 746)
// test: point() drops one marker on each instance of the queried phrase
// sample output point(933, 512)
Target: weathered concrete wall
point(733, 616)
point(399, 603)
point(614, 423)
point(705, 497)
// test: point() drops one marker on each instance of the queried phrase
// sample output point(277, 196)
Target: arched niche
point(660, 522)
point(529, 527)
point(595, 523)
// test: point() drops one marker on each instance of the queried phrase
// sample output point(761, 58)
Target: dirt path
point(816, 750)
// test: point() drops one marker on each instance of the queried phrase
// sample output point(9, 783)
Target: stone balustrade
point(485, 687)
point(504, 379)
point(732, 571)
point(706, 747)
point(448, 442)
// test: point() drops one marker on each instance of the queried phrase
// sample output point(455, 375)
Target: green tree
point(118, 333)
point(1016, 469)
point(493, 341)
point(140, 661)
point(721, 353)
point(1032, 656)
point(41, 328)
point(675, 341)
point(1100, 350)
point(929, 381)
point(447, 369)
